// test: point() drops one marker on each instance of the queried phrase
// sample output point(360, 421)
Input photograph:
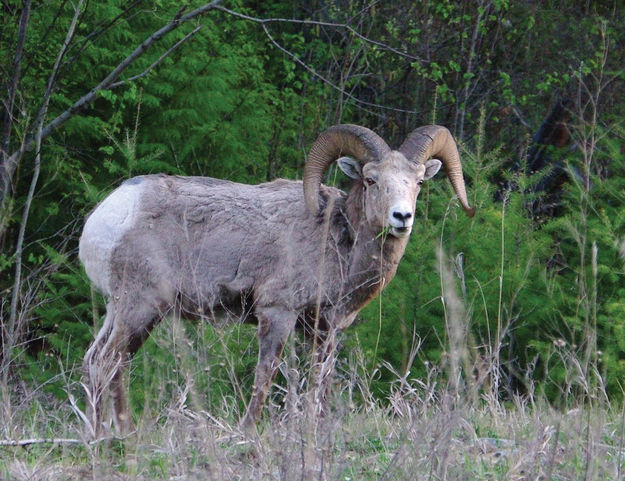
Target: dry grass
point(449, 425)
point(427, 430)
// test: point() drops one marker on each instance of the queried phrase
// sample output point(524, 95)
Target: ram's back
point(206, 241)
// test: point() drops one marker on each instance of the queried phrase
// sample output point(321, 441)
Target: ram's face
point(391, 187)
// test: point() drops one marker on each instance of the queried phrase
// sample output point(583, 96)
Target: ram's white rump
point(104, 229)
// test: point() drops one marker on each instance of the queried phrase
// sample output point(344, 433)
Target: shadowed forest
point(498, 350)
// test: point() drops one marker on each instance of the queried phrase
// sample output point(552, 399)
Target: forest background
point(241, 91)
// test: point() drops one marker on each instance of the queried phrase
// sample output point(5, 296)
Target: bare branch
point(343, 26)
point(326, 80)
point(5, 168)
point(106, 83)
point(518, 115)
point(160, 59)
point(265, 21)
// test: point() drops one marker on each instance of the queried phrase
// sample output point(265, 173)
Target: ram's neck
point(372, 261)
point(354, 206)
point(376, 257)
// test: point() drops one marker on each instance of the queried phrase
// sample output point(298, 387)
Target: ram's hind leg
point(98, 369)
point(107, 360)
point(274, 327)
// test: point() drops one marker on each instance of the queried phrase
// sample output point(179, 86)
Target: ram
point(283, 254)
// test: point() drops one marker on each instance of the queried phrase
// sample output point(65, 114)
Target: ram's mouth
point(401, 231)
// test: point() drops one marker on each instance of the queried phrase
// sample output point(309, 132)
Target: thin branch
point(106, 83)
point(264, 21)
point(518, 115)
point(328, 81)
point(160, 59)
point(5, 162)
point(343, 26)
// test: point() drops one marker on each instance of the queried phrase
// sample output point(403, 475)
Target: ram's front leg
point(274, 326)
point(323, 369)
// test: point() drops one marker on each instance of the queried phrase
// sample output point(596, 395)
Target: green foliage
point(227, 103)
point(211, 365)
point(533, 292)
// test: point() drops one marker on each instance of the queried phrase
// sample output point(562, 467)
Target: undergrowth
point(449, 424)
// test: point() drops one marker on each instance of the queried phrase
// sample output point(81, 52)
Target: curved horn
point(337, 141)
point(436, 141)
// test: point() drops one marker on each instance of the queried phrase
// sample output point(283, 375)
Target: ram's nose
point(400, 220)
point(402, 215)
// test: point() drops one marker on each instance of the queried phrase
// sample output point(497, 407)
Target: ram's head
point(391, 179)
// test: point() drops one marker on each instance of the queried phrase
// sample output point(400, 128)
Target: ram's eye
point(369, 181)
point(420, 182)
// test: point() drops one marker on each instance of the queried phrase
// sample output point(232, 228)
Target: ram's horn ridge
point(337, 141)
point(436, 141)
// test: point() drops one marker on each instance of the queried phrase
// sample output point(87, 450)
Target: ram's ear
point(432, 166)
point(350, 167)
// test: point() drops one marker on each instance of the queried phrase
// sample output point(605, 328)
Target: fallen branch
point(29, 442)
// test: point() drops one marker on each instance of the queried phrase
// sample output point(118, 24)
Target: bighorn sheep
point(269, 253)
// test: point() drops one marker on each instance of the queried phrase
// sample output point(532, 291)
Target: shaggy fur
point(219, 250)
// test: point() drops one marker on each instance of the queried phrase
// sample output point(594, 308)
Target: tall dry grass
point(449, 425)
